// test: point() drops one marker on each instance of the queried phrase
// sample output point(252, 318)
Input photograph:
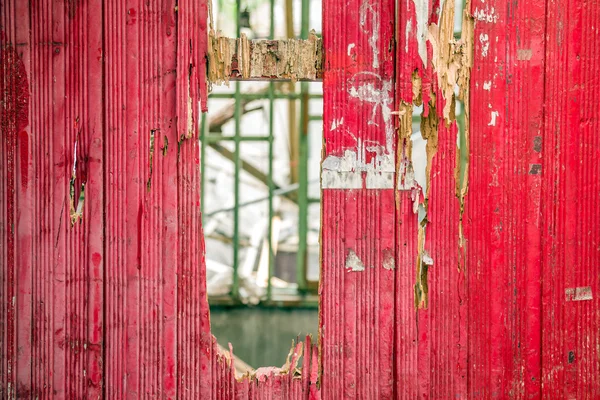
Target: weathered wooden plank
point(570, 196)
point(358, 200)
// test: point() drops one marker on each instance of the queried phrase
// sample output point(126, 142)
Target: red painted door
point(480, 281)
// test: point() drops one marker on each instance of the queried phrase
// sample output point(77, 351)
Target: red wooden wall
point(105, 296)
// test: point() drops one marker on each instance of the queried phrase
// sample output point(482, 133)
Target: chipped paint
point(350, 170)
point(494, 115)
point(485, 44)
point(353, 262)
point(488, 14)
point(350, 47)
point(579, 294)
point(524, 54)
point(388, 262)
point(336, 123)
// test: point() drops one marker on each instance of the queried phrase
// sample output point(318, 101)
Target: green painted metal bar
point(236, 184)
point(211, 138)
point(271, 139)
point(301, 258)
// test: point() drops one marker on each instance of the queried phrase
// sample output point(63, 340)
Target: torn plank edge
point(244, 59)
point(76, 202)
point(293, 369)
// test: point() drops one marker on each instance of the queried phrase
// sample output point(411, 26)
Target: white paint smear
point(367, 10)
point(487, 85)
point(494, 116)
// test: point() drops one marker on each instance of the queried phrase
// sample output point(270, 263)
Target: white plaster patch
point(485, 44)
point(353, 263)
point(579, 293)
point(350, 170)
point(493, 120)
point(422, 14)
point(487, 85)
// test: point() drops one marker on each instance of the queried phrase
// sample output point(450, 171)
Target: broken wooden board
point(244, 59)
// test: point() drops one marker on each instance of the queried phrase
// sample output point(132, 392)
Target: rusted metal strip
point(245, 59)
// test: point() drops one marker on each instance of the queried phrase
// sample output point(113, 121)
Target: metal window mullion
point(203, 143)
point(270, 180)
point(301, 259)
point(236, 180)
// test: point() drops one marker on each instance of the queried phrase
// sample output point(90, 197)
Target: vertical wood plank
point(358, 202)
